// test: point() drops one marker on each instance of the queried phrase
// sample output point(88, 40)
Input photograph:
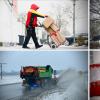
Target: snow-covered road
point(10, 79)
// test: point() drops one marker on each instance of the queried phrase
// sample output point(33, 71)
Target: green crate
point(45, 72)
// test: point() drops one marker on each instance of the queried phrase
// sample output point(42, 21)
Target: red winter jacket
point(32, 16)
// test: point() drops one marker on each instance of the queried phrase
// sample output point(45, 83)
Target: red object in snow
point(95, 80)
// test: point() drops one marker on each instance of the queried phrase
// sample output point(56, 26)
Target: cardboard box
point(54, 27)
point(53, 31)
point(47, 22)
point(56, 36)
point(53, 37)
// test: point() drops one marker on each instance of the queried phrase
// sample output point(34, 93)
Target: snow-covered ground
point(45, 47)
point(10, 79)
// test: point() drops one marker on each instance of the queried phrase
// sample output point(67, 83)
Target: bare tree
point(63, 14)
point(94, 17)
point(59, 18)
point(95, 10)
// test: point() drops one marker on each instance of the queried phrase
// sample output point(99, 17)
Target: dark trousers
point(31, 33)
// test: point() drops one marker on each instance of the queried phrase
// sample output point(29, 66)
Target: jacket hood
point(34, 7)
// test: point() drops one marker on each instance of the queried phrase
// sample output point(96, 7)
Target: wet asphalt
point(14, 91)
point(11, 91)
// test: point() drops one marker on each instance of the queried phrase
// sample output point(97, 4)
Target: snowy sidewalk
point(10, 79)
point(45, 47)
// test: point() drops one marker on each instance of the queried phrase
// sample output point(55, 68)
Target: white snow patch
point(10, 79)
point(45, 47)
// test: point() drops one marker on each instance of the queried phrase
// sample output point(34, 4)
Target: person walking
point(31, 23)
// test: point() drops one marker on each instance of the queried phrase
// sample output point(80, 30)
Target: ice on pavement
point(72, 85)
